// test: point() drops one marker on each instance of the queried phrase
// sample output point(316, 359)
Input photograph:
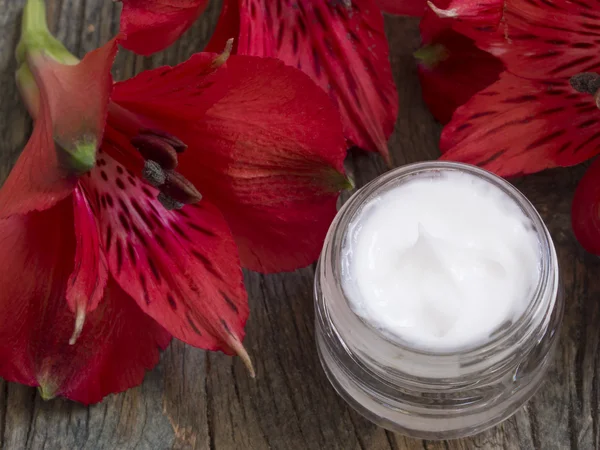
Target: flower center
point(160, 151)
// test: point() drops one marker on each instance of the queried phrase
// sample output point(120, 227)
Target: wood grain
point(195, 400)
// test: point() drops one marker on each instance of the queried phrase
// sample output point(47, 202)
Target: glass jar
point(426, 394)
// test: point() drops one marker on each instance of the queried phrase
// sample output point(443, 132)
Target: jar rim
point(547, 286)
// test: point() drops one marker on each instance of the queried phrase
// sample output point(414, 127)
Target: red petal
point(73, 104)
point(170, 95)
point(180, 266)
point(118, 342)
point(149, 26)
point(431, 26)
point(446, 71)
point(273, 164)
point(343, 49)
point(78, 95)
point(403, 7)
point(478, 21)
point(474, 12)
point(28, 186)
point(88, 280)
point(585, 213)
point(40, 251)
point(544, 40)
point(517, 126)
point(228, 27)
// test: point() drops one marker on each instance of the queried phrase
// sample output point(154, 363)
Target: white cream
point(441, 263)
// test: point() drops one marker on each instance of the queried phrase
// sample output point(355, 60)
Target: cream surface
point(441, 263)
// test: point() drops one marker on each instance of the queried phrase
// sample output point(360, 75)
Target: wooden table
point(196, 400)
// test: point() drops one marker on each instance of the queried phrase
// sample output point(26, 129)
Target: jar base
point(392, 417)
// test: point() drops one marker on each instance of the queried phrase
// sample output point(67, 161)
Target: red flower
point(340, 44)
point(152, 25)
point(531, 119)
point(118, 245)
point(543, 112)
point(447, 62)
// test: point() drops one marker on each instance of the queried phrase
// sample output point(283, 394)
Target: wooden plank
point(195, 400)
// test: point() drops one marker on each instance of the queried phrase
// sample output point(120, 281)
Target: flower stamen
point(159, 150)
point(586, 82)
point(153, 173)
point(168, 202)
point(156, 149)
point(174, 141)
point(180, 189)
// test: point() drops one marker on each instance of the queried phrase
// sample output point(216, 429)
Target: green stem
point(35, 36)
point(34, 17)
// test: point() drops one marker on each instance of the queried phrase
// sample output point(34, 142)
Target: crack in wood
point(390, 439)
point(533, 426)
point(209, 407)
point(3, 412)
